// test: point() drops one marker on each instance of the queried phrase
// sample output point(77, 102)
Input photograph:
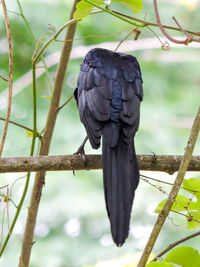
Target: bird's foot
point(81, 152)
point(154, 158)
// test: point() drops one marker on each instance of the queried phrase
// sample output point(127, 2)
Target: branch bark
point(174, 191)
point(45, 145)
point(163, 163)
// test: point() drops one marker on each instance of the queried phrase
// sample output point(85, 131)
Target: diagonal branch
point(174, 191)
point(172, 245)
point(45, 145)
point(10, 77)
point(21, 126)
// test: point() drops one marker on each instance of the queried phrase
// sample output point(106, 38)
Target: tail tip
point(119, 243)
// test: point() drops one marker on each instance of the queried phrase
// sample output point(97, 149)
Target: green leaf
point(29, 133)
point(47, 96)
point(191, 224)
point(184, 256)
point(193, 184)
point(83, 9)
point(160, 264)
point(6, 199)
point(181, 204)
point(135, 5)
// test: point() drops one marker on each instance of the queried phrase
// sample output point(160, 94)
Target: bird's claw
point(81, 152)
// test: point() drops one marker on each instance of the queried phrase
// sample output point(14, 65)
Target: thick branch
point(168, 163)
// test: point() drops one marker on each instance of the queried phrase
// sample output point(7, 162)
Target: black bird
point(108, 95)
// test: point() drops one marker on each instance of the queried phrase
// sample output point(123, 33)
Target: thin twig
point(3, 78)
point(165, 192)
point(21, 126)
point(174, 191)
point(10, 77)
point(149, 23)
point(155, 186)
point(46, 141)
point(67, 24)
point(34, 39)
point(12, 185)
point(2, 225)
point(4, 186)
point(135, 30)
point(167, 183)
point(179, 26)
point(189, 38)
point(70, 98)
point(19, 206)
point(189, 217)
point(8, 199)
point(164, 46)
point(178, 242)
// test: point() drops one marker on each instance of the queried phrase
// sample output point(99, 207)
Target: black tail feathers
point(121, 178)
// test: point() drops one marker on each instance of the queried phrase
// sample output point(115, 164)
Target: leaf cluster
point(184, 256)
point(189, 205)
point(84, 8)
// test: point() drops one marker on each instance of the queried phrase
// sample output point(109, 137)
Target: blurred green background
point(72, 226)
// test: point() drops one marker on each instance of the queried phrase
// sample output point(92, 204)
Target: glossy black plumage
point(108, 96)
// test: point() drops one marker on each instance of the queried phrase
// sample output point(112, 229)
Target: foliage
point(187, 204)
point(136, 5)
point(182, 256)
point(84, 8)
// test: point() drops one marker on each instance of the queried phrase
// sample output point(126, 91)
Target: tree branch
point(172, 245)
point(189, 38)
point(174, 191)
point(46, 140)
point(149, 23)
point(163, 163)
point(10, 77)
point(21, 126)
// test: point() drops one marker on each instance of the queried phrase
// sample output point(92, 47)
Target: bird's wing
point(94, 94)
point(93, 98)
point(132, 95)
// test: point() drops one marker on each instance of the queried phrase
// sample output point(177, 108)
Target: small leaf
point(182, 203)
point(135, 5)
point(29, 133)
point(83, 8)
point(6, 199)
point(191, 224)
point(46, 96)
point(192, 184)
point(160, 264)
point(184, 256)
